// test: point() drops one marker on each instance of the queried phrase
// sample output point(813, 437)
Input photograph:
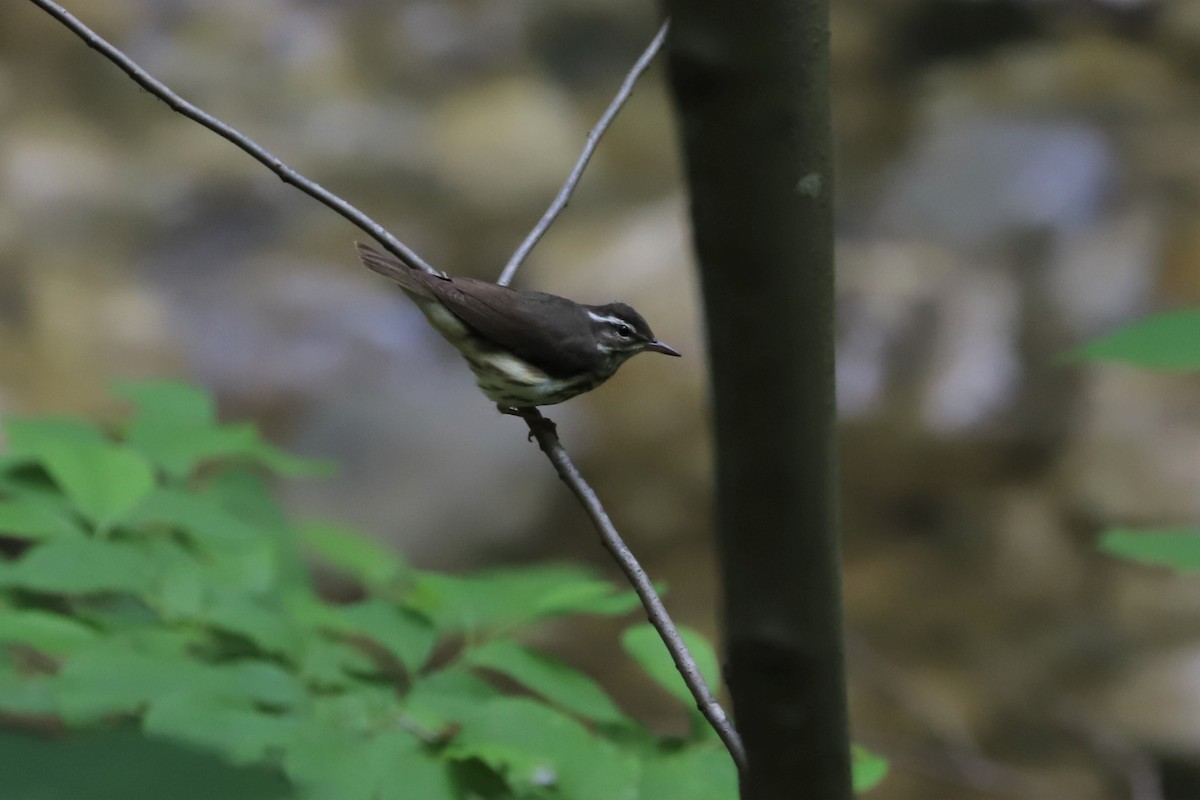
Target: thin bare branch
point(547, 438)
point(593, 139)
point(178, 104)
point(1115, 750)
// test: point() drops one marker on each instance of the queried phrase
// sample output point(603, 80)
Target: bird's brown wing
point(548, 331)
point(410, 280)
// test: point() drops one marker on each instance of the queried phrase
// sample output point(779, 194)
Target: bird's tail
point(388, 266)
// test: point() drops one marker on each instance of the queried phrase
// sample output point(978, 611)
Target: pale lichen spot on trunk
point(809, 185)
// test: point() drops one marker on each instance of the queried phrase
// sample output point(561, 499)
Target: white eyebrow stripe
point(610, 320)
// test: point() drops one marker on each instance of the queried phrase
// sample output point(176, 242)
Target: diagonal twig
point(1115, 749)
point(541, 428)
point(245, 143)
point(593, 139)
point(547, 438)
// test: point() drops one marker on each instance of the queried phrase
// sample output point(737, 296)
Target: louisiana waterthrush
point(526, 348)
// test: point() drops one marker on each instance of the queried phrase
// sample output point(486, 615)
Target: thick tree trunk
point(751, 83)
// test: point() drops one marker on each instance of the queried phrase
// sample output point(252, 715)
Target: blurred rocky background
point(1014, 178)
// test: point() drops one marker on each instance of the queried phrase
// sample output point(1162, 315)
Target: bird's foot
point(533, 418)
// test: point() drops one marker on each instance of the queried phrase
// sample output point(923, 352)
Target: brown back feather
point(550, 332)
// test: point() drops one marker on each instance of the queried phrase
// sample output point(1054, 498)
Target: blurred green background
point(1014, 178)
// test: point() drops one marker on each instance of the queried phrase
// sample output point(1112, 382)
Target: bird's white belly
point(509, 381)
point(514, 370)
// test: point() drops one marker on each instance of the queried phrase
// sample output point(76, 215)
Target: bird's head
point(622, 332)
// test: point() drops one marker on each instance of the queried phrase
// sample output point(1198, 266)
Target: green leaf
point(49, 633)
point(388, 766)
point(181, 592)
point(105, 481)
point(365, 709)
point(28, 517)
point(515, 596)
point(537, 749)
point(258, 682)
point(647, 648)
point(98, 683)
point(175, 426)
point(255, 569)
point(1167, 341)
point(179, 451)
point(598, 597)
point(144, 637)
point(283, 463)
point(26, 437)
point(273, 631)
point(81, 567)
point(696, 772)
point(404, 634)
point(328, 664)
point(869, 769)
point(562, 685)
point(243, 735)
point(353, 553)
point(166, 402)
point(203, 519)
point(327, 765)
point(447, 696)
point(231, 555)
point(406, 770)
point(26, 694)
point(1177, 547)
point(247, 496)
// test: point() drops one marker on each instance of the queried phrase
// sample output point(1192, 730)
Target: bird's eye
point(623, 330)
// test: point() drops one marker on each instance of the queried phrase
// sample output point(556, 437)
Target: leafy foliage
point(152, 578)
point(1167, 341)
point(869, 769)
point(1166, 547)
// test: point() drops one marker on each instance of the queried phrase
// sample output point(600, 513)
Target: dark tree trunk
point(751, 85)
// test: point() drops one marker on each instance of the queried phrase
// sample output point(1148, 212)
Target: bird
point(526, 348)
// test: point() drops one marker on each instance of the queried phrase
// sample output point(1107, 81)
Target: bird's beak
point(665, 349)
